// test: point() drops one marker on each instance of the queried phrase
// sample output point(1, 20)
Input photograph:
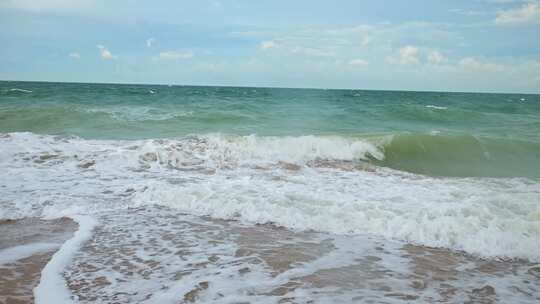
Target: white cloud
point(105, 53)
point(174, 55)
point(269, 44)
point(435, 57)
point(365, 40)
point(473, 64)
point(150, 42)
point(528, 13)
point(74, 55)
point(407, 55)
point(358, 62)
point(344, 42)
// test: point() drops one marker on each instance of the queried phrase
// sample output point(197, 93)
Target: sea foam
point(436, 107)
point(468, 215)
point(52, 287)
point(303, 183)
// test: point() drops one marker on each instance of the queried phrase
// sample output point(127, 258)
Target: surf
point(326, 184)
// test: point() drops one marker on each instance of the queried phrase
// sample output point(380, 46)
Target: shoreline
point(199, 259)
point(32, 243)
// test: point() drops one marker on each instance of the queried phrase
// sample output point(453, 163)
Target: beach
point(26, 247)
point(159, 255)
point(173, 194)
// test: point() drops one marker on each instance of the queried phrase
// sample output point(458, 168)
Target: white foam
point(52, 287)
point(13, 254)
point(215, 149)
point(459, 214)
point(237, 177)
point(20, 90)
point(436, 107)
point(159, 255)
point(226, 151)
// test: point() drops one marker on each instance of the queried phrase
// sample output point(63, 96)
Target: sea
point(205, 194)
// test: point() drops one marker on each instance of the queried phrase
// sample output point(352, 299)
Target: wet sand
point(26, 246)
point(157, 255)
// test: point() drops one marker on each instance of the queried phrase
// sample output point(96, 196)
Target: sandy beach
point(26, 246)
point(155, 254)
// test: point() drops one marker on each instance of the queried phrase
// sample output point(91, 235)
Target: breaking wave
point(330, 184)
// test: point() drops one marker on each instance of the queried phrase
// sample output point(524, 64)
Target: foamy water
point(142, 238)
point(158, 255)
point(52, 286)
point(13, 254)
point(302, 183)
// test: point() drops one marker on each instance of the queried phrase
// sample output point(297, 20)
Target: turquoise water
point(440, 134)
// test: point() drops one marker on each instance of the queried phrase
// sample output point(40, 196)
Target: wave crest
point(230, 151)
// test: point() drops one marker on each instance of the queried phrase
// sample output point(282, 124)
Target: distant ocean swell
point(326, 183)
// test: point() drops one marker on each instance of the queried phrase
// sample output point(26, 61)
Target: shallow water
point(26, 246)
point(157, 255)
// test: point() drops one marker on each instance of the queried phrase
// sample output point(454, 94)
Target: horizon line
point(269, 87)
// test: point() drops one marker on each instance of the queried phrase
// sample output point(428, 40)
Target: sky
point(472, 46)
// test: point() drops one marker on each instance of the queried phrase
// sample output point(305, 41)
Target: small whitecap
point(20, 90)
point(436, 107)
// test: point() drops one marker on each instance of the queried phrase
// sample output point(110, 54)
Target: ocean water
point(442, 134)
point(224, 194)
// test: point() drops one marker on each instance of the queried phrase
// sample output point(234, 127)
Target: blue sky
point(474, 45)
